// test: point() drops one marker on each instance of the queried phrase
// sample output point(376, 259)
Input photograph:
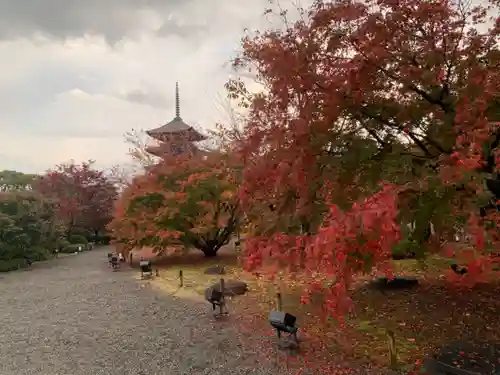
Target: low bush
point(72, 248)
point(12, 265)
point(103, 239)
point(37, 254)
point(405, 249)
point(62, 243)
point(77, 239)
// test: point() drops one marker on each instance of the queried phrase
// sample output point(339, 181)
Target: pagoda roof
point(177, 126)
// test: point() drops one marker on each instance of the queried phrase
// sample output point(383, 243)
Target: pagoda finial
point(177, 102)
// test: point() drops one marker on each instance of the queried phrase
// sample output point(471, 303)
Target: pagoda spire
point(175, 136)
point(177, 102)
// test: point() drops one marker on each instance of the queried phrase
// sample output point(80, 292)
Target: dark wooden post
point(279, 302)
point(181, 279)
point(393, 355)
point(222, 300)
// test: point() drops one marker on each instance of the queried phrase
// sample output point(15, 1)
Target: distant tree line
point(41, 215)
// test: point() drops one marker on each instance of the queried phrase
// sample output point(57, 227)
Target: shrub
point(77, 239)
point(12, 265)
point(38, 253)
point(405, 249)
point(103, 239)
point(62, 243)
point(7, 252)
point(73, 248)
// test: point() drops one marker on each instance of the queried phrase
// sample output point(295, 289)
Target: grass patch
point(193, 265)
point(433, 266)
point(423, 319)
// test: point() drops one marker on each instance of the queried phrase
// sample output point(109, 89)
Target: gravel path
point(73, 316)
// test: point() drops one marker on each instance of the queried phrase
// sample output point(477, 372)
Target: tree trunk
point(69, 230)
point(211, 246)
point(210, 252)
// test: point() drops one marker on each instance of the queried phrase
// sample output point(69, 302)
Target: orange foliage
point(181, 202)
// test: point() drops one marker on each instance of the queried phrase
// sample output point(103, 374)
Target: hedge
point(77, 239)
point(74, 248)
point(12, 265)
point(37, 254)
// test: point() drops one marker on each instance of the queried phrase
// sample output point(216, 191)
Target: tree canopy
point(375, 114)
point(181, 202)
point(84, 196)
point(16, 181)
point(41, 213)
point(27, 226)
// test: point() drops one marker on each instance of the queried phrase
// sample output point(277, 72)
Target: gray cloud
point(151, 97)
point(173, 27)
point(116, 20)
point(38, 87)
point(113, 19)
point(62, 98)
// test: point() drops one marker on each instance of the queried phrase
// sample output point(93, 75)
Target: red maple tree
point(84, 195)
point(364, 101)
point(182, 202)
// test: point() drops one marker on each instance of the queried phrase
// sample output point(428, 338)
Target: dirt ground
point(74, 315)
point(423, 318)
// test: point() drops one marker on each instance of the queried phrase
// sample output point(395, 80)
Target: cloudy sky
point(77, 74)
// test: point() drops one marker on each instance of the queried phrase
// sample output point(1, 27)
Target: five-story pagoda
point(176, 137)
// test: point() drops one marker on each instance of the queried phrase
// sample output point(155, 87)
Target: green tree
point(16, 181)
point(27, 226)
point(181, 202)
